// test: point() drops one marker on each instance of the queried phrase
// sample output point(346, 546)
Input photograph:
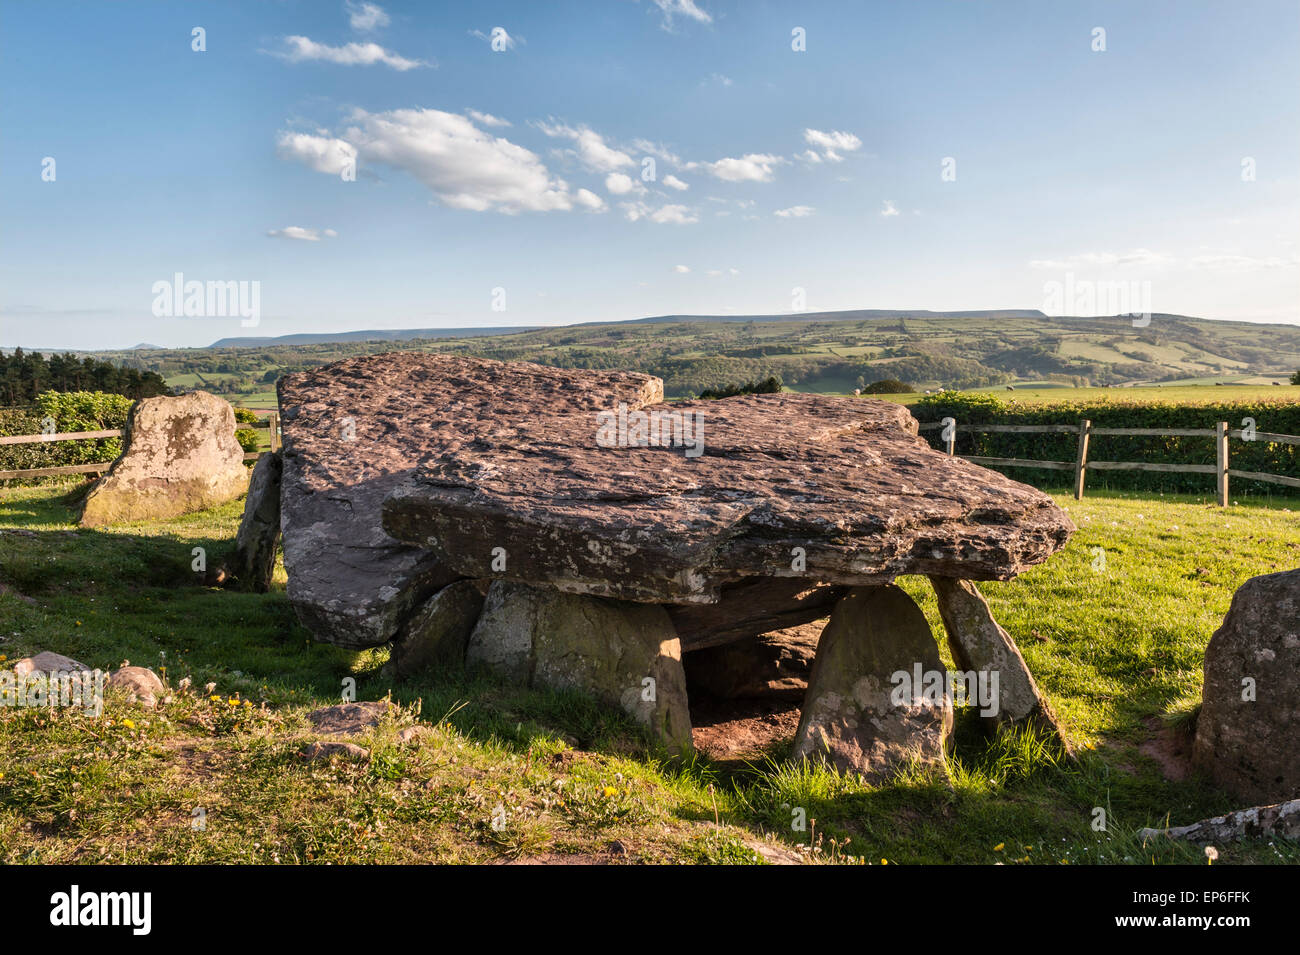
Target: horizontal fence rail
point(271, 422)
point(1082, 463)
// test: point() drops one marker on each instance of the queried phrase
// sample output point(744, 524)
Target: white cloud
point(753, 167)
point(301, 234)
point(681, 269)
point(500, 35)
point(795, 212)
point(672, 182)
point(589, 200)
point(681, 8)
point(486, 119)
point(669, 214)
point(832, 144)
point(301, 50)
point(658, 150)
point(809, 156)
point(463, 166)
point(717, 78)
point(592, 150)
point(1143, 258)
point(889, 209)
point(677, 215)
point(365, 17)
point(620, 184)
point(322, 153)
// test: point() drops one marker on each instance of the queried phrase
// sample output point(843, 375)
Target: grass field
point(1183, 394)
point(1117, 647)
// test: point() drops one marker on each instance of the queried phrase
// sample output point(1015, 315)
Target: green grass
point(1116, 650)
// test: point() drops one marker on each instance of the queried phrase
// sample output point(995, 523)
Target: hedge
point(1279, 416)
point(71, 411)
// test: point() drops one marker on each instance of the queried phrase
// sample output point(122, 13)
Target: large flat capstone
point(833, 491)
point(355, 429)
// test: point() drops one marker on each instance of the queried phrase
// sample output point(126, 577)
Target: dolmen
point(571, 530)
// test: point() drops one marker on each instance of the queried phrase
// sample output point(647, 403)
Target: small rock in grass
point(141, 683)
point(412, 734)
point(47, 663)
point(349, 718)
point(327, 748)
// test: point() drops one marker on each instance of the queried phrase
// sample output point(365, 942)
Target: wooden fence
point(1222, 469)
point(270, 422)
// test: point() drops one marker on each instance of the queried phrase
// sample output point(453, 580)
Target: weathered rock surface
point(772, 664)
point(251, 564)
point(855, 713)
point(978, 643)
point(622, 653)
point(141, 684)
point(355, 429)
point(829, 490)
point(179, 455)
point(1248, 730)
point(437, 635)
point(1260, 822)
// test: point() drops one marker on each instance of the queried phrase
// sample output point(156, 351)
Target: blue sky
point(774, 169)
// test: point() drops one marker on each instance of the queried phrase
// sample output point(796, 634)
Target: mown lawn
point(1114, 628)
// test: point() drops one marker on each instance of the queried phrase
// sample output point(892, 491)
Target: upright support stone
point(625, 654)
point(864, 710)
point(250, 565)
point(978, 643)
point(439, 632)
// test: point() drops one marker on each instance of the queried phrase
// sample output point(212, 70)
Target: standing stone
point(179, 455)
point(251, 564)
point(1248, 731)
point(857, 713)
point(978, 643)
point(622, 653)
point(436, 637)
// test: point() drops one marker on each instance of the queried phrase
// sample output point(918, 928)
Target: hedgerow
point(1277, 416)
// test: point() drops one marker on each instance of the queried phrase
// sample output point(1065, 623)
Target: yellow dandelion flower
point(884, 862)
point(214, 699)
point(78, 623)
point(128, 724)
point(611, 791)
point(999, 847)
point(248, 703)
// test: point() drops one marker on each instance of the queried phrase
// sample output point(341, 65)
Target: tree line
point(24, 375)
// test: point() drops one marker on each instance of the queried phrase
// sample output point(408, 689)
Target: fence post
point(273, 419)
point(952, 442)
point(1081, 463)
point(1221, 444)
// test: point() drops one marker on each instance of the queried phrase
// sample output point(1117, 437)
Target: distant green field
point(1181, 394)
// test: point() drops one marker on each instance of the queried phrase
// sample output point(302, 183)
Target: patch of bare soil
point(1170, 747)
point(742, 728)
